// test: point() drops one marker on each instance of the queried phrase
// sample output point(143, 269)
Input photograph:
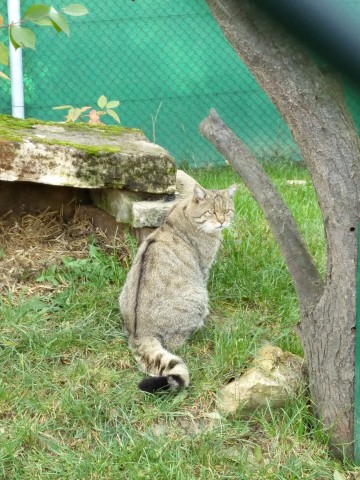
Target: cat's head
point(212, 210)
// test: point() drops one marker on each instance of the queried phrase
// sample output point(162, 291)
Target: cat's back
point(166, 255)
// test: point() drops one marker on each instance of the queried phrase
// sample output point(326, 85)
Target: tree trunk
point(313, 106)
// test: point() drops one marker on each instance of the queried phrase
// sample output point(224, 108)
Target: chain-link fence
point(167, 62)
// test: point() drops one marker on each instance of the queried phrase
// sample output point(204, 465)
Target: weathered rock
point(133, 209)
point(275, 377)
point(184, 184)
point(83, 156)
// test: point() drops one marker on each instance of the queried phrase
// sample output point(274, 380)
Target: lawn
point(69, 403)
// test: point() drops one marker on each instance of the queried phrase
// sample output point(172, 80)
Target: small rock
point(184, 184)
point(274, 377)
point(131, 208)
point(296, 182)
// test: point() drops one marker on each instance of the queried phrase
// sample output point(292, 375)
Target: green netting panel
point(167, 62)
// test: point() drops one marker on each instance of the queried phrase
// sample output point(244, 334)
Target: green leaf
point(4, 76)
point(63, 107)
point(22, 37)
point(49, 276)
point(102, 101)
point(75, 114)
point(75, 9)
point(55, 27)
point(45, 22)
point(4, 54)
point(71, 115)
point(112, 104)
point(258, 453)
point(13, 42)
point(60, 24)
point(113, 114)
point(37, 12)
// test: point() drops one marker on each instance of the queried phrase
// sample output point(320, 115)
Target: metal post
point(16, 66)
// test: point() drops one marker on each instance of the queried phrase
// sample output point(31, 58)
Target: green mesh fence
point(167, 62)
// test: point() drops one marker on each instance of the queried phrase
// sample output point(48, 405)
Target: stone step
point(137, 211)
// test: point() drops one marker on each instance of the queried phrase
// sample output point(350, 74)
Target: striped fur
point(165, 296)
point(167, 370)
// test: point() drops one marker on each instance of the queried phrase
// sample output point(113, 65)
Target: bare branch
point(307, 280)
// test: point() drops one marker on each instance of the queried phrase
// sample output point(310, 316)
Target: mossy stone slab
point(83, 156)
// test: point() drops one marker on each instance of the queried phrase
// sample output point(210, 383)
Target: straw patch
point(29, 244)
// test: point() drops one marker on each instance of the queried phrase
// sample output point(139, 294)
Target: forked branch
point(306, 277)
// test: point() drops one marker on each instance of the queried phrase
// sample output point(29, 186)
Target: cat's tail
point(167, 371)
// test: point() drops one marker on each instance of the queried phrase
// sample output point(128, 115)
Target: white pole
point(16, 67)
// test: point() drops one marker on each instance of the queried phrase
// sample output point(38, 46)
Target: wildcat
point(165, 296)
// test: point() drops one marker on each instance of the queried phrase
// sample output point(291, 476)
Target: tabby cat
point(165, 296)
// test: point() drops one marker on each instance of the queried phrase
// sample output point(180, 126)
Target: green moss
point(11, 129)
point(107, 130)
point(10, 137)
point(10, 123)
point(92, 150)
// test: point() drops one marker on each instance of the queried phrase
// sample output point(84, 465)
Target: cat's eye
point(210, 212)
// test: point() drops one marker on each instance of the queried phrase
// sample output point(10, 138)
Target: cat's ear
point(199, 193)
point(231, 190)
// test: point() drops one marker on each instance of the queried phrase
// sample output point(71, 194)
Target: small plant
point(106, 108)
point(39, 14)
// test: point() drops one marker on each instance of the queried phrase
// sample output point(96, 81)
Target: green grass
point(69, 403)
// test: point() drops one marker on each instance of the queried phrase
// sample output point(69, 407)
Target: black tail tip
point(157, 384)
point(154, 384)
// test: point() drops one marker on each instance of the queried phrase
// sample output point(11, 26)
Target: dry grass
point(30, 244)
